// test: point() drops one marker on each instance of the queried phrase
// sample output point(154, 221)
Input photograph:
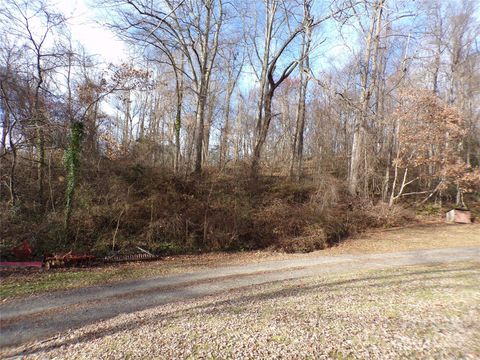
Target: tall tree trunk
point(209, 117)
point(8, 126)
point(39, 120)
point(261, 116)
point(297, 155)
point(262, 135)
point(206, 62)
point(126, 124)
point(5, 128)
point(40, 142)
point(367, 82)
point(199, 129)
point(178, 126)
point(223, 153)
point(13, 165)
point(178, 115)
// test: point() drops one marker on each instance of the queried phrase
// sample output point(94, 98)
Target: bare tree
point(367, 83)
point(192, 27)
point(234, 61)
point(304, 66)
point(35, 25)
point(268, 58)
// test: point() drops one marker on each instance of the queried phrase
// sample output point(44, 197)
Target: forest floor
point(353, 300)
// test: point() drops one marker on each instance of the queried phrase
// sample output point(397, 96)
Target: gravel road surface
point(39, 317)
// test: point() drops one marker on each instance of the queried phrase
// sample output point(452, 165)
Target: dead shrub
point(281, 220)
point(303, 244)
point(386, 217)
point(327, 193)
point(289, 191)
point(165, 213)
point(357, 215)
point(314, 239)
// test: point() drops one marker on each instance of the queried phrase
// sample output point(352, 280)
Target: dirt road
point(39, 317)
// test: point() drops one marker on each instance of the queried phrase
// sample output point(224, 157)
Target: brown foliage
point(430, 135)
point(165, 213)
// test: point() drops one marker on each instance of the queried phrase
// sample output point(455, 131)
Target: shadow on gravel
point(224, 305)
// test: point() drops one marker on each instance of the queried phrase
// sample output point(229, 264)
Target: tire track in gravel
point(42, 316)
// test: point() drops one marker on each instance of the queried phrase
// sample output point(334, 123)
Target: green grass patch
point(16, 286)
point(49, 282)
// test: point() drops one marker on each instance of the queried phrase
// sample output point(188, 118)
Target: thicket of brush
point(120, 205)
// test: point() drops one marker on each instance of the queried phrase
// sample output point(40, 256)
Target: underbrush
point(120, 207)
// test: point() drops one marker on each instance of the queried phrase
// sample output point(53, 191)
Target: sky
point(84, 27)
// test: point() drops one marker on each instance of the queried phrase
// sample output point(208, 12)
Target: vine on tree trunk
point(71, 161)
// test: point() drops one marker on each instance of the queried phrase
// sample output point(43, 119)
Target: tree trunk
point(262, 135)
point(367, 82)
point(297, 155)
point(40, 142)
point(178, 118)
point(209, 117)
point(223, 151)
point(5, 128)
point(199, 129)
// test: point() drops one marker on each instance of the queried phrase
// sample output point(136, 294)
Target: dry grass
point(431, 236)
point(14, 284)
point(20, 284)
point(419, 312)
point(120, 206)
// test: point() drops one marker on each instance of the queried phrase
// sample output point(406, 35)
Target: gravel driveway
point(40, 317)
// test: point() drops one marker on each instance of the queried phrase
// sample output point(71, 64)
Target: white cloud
point(96, 39)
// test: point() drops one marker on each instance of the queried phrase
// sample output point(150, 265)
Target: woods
point(235, 125)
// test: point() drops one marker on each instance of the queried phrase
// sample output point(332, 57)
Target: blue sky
point(86, 29)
